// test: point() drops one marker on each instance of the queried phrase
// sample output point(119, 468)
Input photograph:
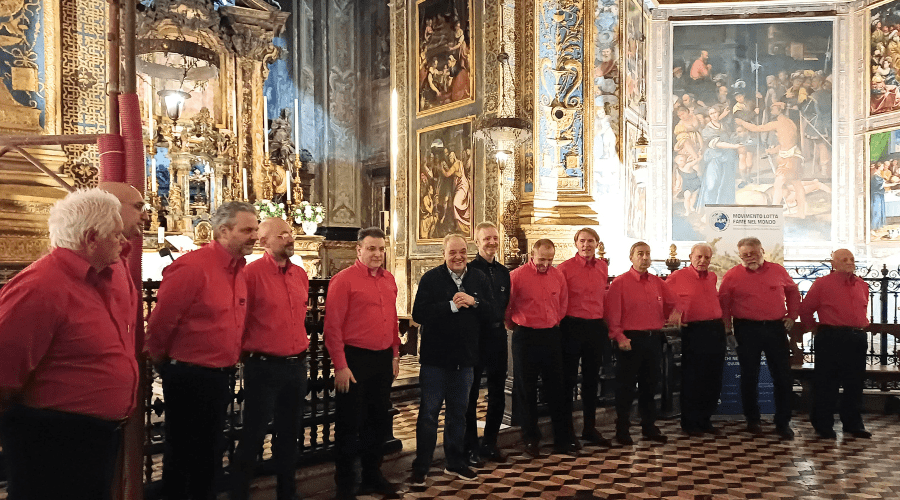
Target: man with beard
point(274, 356)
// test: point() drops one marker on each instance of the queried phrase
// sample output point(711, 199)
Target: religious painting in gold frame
point(445, 182)
point(635, 56)
point(445, 58)
point(884, 50)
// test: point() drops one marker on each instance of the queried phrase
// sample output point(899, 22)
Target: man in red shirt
point(68, 372)
point(702, 341)
point(537, 303)
point(763, 302)
point(194, 340)
point(841, 299)
point(363, 339)
point(585, 338)
point(636, 308)
point(274, 357)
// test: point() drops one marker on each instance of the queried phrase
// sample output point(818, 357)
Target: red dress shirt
point(637, 301)
point(586, 281)
point(758, 295)
point(200, 310)
point(841, 300)
point(537, 300)
point(698, 299)
point(361, 311)
point(276, 314)
point(67, 337)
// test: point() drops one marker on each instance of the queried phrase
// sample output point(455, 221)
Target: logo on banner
point(719, 221)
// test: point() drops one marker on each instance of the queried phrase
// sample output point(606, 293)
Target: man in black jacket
point(451, 305)
point(492, 351)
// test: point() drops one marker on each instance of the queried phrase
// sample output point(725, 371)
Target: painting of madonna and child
point(445, 59)
point(751, 123)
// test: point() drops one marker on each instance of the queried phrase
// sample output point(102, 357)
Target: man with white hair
point(68, 372)
point(194, 340)
point(841, 300)
point(452, 304)
point(702, 341)
point(761, 300)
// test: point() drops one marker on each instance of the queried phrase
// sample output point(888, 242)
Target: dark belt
point(706, 322)
point(833, 328)
point(641, 333)
point(760, 322)
point(224, 369)
point(278, 359)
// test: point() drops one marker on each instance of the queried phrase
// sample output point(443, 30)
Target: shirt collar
point(77, 267)
point(494, 262)
point(460, 276)
point(364, 269)
point(699, 274)
point(585, 262)
point(638, 275)
point(224, 258)
point(273, 266)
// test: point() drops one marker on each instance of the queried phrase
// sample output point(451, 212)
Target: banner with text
point(727, 224)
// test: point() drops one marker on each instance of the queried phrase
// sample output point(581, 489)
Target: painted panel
point(605, 104)
point(884, 187)
point(446, 57)
point(884, 49)
point(635, 56)
point(24, 65)
point(446, 186)
point(752, 123)
point(636, 177)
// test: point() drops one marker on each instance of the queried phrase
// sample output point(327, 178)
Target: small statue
point(281, 148)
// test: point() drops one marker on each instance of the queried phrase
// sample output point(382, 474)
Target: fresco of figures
point(445, 187)
point(635, 53)
point(445, 56)
point(752, 124)
point(884, 47)
point(884, 186)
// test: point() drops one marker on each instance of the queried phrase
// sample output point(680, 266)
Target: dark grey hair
point(225, 214)
point(374, 232)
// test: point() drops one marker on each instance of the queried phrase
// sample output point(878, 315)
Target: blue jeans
point(440, 386)
point(273, 388)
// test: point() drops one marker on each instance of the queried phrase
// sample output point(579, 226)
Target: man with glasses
point(759, 303)
point(274, 356)
point(452, 302)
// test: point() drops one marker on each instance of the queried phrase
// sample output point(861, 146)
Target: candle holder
point(267, 188)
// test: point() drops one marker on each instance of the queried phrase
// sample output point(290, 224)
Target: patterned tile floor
point(735, 464)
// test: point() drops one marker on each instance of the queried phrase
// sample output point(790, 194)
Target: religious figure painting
point(884, 49)
point(635, 56)
point(446, 59)
point(752, 123)
point(884, 186)
point(445, 189)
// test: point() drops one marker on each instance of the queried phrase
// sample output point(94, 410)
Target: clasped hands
point(462, 299)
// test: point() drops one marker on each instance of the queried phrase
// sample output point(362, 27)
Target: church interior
point(426, 117)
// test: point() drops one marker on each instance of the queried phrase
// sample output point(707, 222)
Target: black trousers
point(537, 353)
point(274, 388)
point(492, 361)
point(57, 455)
point(840, 361)
point(363, 420)
point(585, 342)
point(638, 372)
point(197, 400)
point(702, 362)
point(755, 338)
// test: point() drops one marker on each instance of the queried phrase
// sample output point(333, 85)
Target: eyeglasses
point(286, 236)
point(142, 207)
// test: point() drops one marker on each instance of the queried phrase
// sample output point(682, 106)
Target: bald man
point(135, 212)
point(840, 299)
point(274, 356)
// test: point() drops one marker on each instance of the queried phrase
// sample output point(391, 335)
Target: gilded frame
point(432, 221)
point(433, 58)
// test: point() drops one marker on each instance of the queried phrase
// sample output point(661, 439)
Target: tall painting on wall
point(752, 124)
point(446, 58)
point(884, 49)
point(884, 186)
point(446, 180)
point(635, 56)
point(636, 175)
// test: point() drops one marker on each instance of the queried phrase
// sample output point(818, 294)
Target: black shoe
point(859, 433)
point(491, 453)
point(565, 449)
point(377, 484)
point(826, 433)
point(692, 431)
point(416, 479)
point(344, 494)
point(575, 445)
point(532, 449)
point(785, 432)
point(593, 437)
point(654, 434)
point(463, 472)
point(753, 427)
point(473, 460)
point(711, 429)
point(624, 438)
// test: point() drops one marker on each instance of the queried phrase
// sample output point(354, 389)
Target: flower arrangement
point(268, 208)
point(307, 212)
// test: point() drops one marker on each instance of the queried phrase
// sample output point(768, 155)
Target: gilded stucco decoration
point(560, 115)
point(82, 170)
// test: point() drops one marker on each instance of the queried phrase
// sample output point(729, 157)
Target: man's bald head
point(133, 214)
point(277, 237)
point(843, 261)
